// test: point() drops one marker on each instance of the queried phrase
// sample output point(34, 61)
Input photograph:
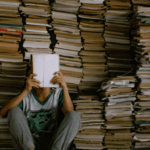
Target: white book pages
point(51, 65)
point(38, 68)
point(45, 65)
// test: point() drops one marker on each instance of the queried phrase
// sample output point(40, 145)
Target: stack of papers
point(36, 27)
point(92, 131)
point(117, 37)
point(118, 94)
point(141, 47)
point(93, 55)
point(68, 46)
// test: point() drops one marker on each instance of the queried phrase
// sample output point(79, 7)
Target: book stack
point(12, 67)
point(10, 59)
point(119, 94)
point(142, 122)
point(117, 37)
point(64, 16)
point(12, 80)
point(10, 30)
point(91, 133)
point(5, 138)
point(36, 35)
point(141, 47)
point(93, 55)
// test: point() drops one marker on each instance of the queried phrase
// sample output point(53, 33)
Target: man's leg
point(19, 130)
point(66, 131)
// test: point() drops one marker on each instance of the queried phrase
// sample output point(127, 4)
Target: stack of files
point(119, 94)
point(68, 46)
point(12, 81)
point(117, 37)
point(92, 131)
point(10, 30)
point(12, 67)
point(142, 121)
point(93, 55)
point(141, 39)
point(141, 47)
point(5, 138)
point(36, 27)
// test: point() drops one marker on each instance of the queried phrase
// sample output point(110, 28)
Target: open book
point(45, 65)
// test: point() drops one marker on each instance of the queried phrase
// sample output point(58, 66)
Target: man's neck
point(42, 93)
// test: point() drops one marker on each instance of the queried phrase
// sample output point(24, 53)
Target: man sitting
point(35, 116)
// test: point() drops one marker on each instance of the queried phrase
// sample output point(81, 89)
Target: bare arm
point(12, 103)
point(67, 103)
point(16, 100)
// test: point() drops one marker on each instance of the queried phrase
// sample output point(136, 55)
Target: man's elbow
point(65, 111)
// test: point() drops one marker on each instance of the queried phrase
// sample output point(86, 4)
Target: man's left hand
point(59, 79)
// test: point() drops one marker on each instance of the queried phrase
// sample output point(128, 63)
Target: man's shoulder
point(29, 95)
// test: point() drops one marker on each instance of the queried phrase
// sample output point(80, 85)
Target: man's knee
point(14, 111)
point(74, 116)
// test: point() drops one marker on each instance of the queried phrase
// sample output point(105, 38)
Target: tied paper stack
point(10, 30)
point(119, 94)
point(64, 16)
point(141, 47)
point(36, 38)
point(93, 55)
point(117, 37)
point(92, 131)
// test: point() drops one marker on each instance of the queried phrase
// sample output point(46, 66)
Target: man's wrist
point(65, 88)
point(25, 91)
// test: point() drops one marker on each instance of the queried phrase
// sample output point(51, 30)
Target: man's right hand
point(31, 83)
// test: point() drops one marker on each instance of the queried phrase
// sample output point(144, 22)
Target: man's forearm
point(67, 104)
point(12, 103)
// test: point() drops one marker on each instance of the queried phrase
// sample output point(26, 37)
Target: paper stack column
point(36, 27)
point(10, 30)
point(141, 47)
point(12, 67)
point(117, 37)
point(91, 133)
point(93, 55)
point(119, 93)
point(64, 16)
point(12, 80)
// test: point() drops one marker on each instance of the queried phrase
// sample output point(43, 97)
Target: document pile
point(119, 94)
point(36, 26)
point(10, 31)
point(117, 37)
point(65, 25)
point(5, 138)
point(141, 46)
point(91, 133)
point(93, 55)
